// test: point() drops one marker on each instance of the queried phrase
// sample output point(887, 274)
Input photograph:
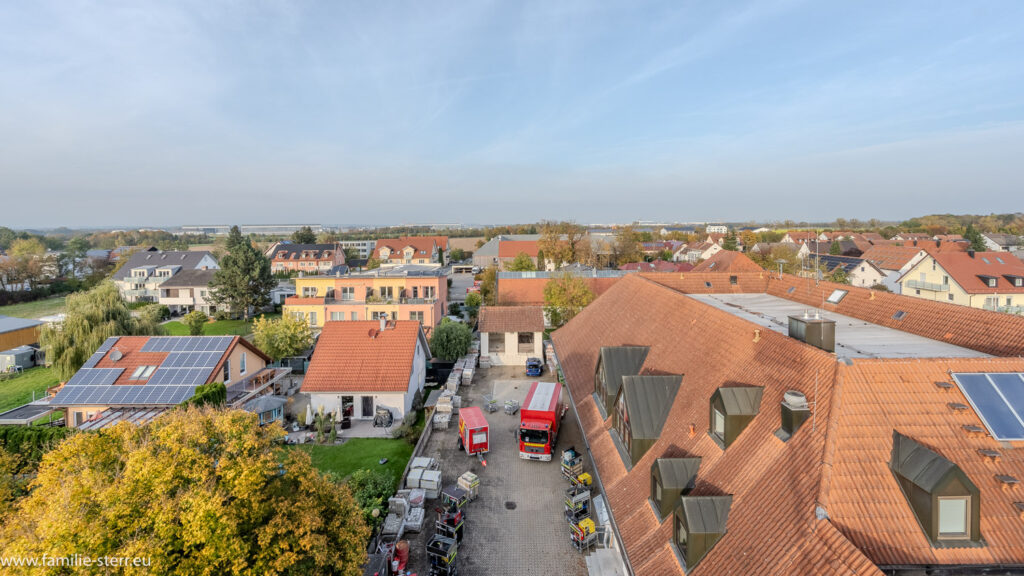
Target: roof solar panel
point(179, 376)
point(95, 376)
point(994, 406)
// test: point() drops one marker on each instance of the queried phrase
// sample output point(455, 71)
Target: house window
point(680, 537)
point(495, 342)
point(525, 342)
point(950, 296)
point(354, 316)
point(241, 365)
point(1009, 301)
point(622, 422)
point(918, 292)
point(718, 424)
point(954, 517)
point(308, 291)
point(933, 264)
point(429, 292)
point(418, 316)
point(337, 316)
point(312, 318)
point(387, 292)
point(991, 282)
point(415, 291)
point(227, 370)
point(348, 293)
point(733, 280)
point(945, 280)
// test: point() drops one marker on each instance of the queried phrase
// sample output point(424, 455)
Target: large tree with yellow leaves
point(197, 491)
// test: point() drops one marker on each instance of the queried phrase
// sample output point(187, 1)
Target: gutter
point(597, 474)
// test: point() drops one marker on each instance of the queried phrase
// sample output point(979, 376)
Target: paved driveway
point(457, 293)
point(516, 527)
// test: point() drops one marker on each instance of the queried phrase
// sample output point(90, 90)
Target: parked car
point(534, 367)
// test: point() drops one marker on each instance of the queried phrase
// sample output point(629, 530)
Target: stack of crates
point(441, 552)
point(572, 464)
point(430, 482)
point(471, 484)
point(441, 421)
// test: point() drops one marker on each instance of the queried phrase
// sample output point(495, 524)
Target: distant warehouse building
point(246, 229)
point(15, 332)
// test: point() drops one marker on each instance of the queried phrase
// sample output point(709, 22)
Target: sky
point(166, 113)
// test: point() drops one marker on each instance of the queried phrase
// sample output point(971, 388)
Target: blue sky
point(140, 113)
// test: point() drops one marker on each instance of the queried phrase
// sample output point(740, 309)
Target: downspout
point(597, 474)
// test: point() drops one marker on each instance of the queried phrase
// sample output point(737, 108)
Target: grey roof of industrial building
point(10, 323)
point(855, 338)
point(648, 400)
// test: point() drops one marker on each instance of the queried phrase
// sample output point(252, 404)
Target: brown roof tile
point(890, 257)
point(358, 356)
point(728, 261)
point(511, 319)
point(966, 270)
point(512, 248)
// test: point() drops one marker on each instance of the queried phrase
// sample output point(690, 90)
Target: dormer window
point(942, 498)
point(732, 408)
point(641, 409)
point(613, 362)
point(698, 523)
point(670, 479)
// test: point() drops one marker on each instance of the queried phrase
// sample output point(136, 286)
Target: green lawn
point(218, 328)
point(18, 390)
point(36, 309)
point(360, 453)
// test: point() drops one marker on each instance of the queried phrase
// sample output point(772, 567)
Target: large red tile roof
point(934, 246)
point(836, 464)
point(530, 291)
point(965, 270)
point(512, 248)
point(728, 261)
point(511, 319)
point(658, 266)
point(359, 357)
point(423, 245)
point(890, 257)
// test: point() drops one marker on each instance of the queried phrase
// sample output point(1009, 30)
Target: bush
point(451, 340)
point(195, 321)
point(371, 489)
point(455, 309)
point(220, 315)
point(31, 442)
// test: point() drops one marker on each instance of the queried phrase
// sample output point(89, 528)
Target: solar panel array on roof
point(187, 344)
point(122, 395)
point(95, 377)
point(191, 377)
point(192, 360)
point(998, 398)
point(100, 352)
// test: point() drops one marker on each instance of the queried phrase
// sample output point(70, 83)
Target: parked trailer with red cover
point(474, 434)
point(539, 421)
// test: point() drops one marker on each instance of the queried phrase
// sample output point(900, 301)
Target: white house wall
point(511, 355)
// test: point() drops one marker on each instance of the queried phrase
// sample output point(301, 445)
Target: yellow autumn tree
point(197, 491)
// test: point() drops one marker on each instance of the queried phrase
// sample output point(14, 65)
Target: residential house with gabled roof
point(306, 258)
point(893, 261)
point(139, 279)
point(859, 272)
point(423, 250)
point(360, 367)
point(696, 252)
point(188, 290)
point(989, 280)
point(800, 250)
point(905, 236)
point(1003, 242)
point(800, 236)
point(137, 378)
point(511, 334)
point(791, 444)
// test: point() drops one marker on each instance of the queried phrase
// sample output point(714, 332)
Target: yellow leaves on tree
point(197, 491)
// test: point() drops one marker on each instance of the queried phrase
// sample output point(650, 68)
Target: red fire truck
point(539, 421)
point(474, 435)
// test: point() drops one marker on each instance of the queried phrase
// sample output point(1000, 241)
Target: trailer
point(540, 417)
point(474, 433)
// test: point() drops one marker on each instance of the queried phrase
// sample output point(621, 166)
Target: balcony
point(933, 286)
point(248, 388)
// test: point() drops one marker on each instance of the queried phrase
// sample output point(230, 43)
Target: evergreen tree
point(975, 238)
point(730, 241)
point(304, 235)
point(834, 248)
point(244, 280)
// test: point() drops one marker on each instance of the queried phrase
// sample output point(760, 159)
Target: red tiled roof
point(756, 465)
point(933, 246)
point(658, 266)
point(424, 246)
point(890, 257)
point(966, 270)
point(511, 319)
point(132, 357)
point(512, 248)
point(530, 291)
point(874, 398)
point(358, 357)
point(802, 235)
point(441, 241)
point(728, 261)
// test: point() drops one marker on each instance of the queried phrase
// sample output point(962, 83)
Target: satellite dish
point(116, 355)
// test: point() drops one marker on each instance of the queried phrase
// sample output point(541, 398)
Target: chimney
point(915, 242)
point(938, 242)
point(383, 323)
point(794, 412)
point(970, 253)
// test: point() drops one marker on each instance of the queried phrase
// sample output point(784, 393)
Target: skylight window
point(1000, 260)
point(985, 260)
point(899, 315)
point(791, 290)
point(837, 296)
point(143, 372)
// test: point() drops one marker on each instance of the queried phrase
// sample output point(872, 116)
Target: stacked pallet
point(471, 484)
